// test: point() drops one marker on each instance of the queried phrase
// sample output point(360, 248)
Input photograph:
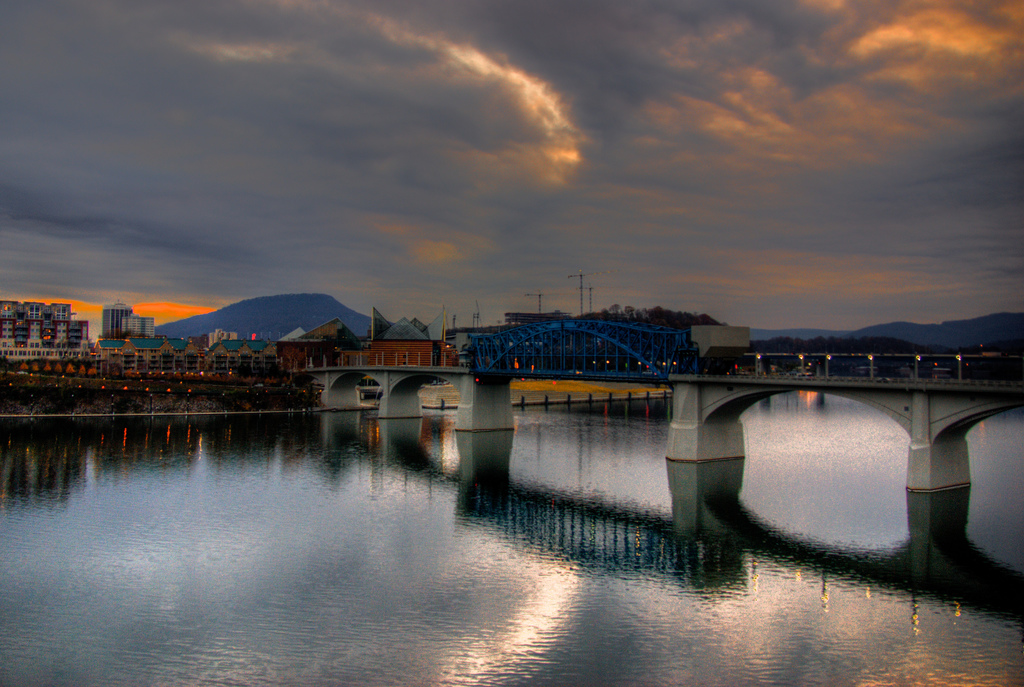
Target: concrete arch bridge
point(936, 414)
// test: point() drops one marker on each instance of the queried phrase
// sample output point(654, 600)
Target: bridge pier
point(935, 462)
point(485, 404)
point(694, 438)
point(398, 400)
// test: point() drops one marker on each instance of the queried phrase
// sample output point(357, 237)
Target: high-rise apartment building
point(137, 325)
point(113, 319)
point(32, 329)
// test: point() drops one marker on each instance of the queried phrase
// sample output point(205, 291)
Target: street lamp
point(959, 368)
point(871, 365)
point(917, 359)
point(827, 358)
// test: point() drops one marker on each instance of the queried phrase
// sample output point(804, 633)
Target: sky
point(803, 163)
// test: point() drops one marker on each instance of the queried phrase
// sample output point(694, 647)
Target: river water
point(339, 549)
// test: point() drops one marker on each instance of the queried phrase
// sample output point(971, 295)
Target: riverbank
point(48, 396)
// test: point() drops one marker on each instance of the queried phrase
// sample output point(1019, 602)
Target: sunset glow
point(723, 159)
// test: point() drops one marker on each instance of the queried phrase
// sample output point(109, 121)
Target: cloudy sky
point(819, 163)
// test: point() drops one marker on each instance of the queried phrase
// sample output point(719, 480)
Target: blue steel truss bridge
point(585, 349)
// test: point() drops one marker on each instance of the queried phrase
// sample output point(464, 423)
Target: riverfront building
point(326, 344)
point(229, 356)
point(31, 329)
point(149, 355)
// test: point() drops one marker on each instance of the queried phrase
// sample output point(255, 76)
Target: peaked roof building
point(406, 329)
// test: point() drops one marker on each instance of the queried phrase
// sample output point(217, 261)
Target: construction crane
point(588, 274)
point(539, 296)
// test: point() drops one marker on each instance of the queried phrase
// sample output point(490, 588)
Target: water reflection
point(703, 544)
point(318, 563)
point(47, 458)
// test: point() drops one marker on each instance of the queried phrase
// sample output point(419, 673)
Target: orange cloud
point(928, 55)
point(169, 312)
point(780, 273)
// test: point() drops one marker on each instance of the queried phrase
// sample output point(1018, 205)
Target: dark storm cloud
point(795, 159)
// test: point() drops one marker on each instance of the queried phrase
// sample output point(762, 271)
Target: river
point(338, 549)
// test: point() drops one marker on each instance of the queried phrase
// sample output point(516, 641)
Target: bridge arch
point(706, 418)
point(400, 390)
point(585, 349)
point(397, 386)
point(731, 407)
point(949, 414)
point(957, 421)
point(340, 388)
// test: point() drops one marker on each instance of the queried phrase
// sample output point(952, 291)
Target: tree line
point(657, 315)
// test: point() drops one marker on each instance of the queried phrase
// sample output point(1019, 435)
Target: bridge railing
point(923, 366)
point(392, 359)
point(789, 379)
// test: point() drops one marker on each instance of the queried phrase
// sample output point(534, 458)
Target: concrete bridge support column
point(691, 437)
point(338, 396)
point(484, 405)
point(934, 462)
point(398, 400)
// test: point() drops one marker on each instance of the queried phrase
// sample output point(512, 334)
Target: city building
point(113, 319)
point(147, 355)
point(120, 321)
point(137, 325)
point(327, 344)
point(33, 329)
point(407, 342)
point(221, 335)
point(231, 356)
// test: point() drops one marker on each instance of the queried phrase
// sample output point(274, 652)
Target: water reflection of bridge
point(708, 543)
point(711, 539)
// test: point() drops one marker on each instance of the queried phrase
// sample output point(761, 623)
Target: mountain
point(269, 317)
point(765, 334)
point(955, 333)
point(988, 329)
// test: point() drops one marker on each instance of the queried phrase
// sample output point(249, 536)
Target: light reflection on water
point(339, 549)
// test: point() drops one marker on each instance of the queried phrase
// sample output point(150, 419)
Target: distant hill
point(765, 334)
point(269, 317)
point(955, 333)
point(989, 329)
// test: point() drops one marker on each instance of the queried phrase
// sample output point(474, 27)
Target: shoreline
point(131, 403)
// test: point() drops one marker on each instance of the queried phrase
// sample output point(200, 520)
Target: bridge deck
point(902, 383)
